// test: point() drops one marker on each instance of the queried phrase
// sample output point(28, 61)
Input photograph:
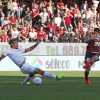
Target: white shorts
point(28, 69)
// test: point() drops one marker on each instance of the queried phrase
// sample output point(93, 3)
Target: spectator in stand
point(61, 33)
point(89, 15)
point(52, 26)
point(50, 35)
point(32, 34)
point(44, 16)
point(66, 8)
point(76, 15)
point(28, 19)
point(4, 36)
point(1, 16)
point(68, 21)
point(24, 34)
point(14, 32)
point(14, 6)
point(35, 15)
point(5, 22)
point(42, 35)
point(80, 28)
point(84, 6)
point(60, 5)
point(13, 20)
point(58, 20)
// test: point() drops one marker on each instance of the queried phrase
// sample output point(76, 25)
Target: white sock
point(50, 75)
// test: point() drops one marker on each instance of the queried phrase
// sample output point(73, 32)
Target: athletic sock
point(49, 75)
point(86, 75)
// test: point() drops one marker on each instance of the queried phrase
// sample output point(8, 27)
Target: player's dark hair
point(11, 41)
point(96, 30)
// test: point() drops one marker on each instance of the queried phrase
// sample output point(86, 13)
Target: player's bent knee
point(87, 64)
point(41, 72)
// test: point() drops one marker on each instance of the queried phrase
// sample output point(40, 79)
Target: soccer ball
point(37, 80)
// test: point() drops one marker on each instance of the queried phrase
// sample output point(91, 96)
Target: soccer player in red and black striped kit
point(92, 54)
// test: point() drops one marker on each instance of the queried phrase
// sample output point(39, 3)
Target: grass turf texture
point(71, 87)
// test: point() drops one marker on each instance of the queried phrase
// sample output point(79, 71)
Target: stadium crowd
point(49, 20)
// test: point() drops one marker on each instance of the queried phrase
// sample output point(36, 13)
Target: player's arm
point(2, 57)
point(32, 47)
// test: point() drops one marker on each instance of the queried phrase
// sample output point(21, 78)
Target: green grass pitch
point(71, 87)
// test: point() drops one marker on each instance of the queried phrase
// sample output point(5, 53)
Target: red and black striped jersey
point(93, 45)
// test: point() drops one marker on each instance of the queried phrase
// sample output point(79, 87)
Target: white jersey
point(16, 55)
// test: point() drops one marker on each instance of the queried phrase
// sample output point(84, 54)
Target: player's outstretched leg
point(48, 74)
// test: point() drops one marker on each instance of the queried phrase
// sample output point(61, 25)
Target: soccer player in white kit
point(16, 55)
